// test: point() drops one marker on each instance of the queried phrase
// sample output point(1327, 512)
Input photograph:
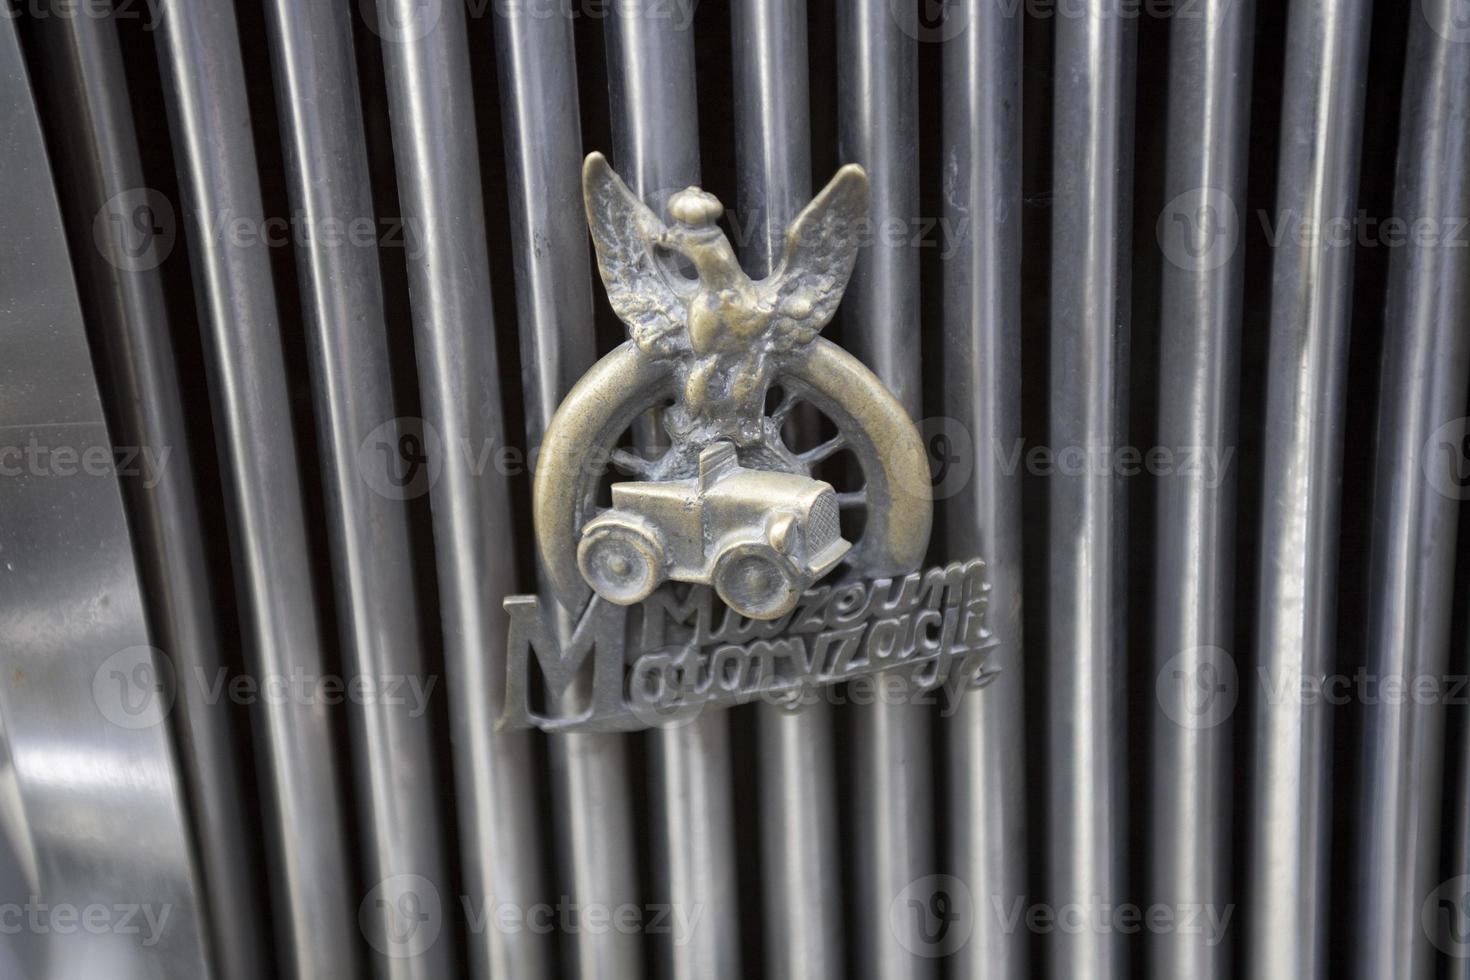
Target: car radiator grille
point(1179, 292)
point(825, 524)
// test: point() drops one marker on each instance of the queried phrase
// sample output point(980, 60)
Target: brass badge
point(727, 550)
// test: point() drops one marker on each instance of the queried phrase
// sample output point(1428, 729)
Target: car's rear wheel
point(622, 562)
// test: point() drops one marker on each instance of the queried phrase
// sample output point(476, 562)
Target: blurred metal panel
point(1190, 727)
point(651, 81)
point(199, 52)
point(367, 524)
point(1086, 837)
point(984, 743)
point(1411, 564)
point(426, 54)
point(96, 158)
point(1285, 903)
point(92, 807)
point(801, 880)
point(538, 83)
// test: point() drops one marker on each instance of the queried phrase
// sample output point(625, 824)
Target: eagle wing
point(821, 247)
point(623, 230)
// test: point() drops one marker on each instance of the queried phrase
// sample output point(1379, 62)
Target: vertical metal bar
point(1285, 901)
point(537, 63)
point(655, 121)
point(1086, 824)
point(893, 787)
point(199, 48)
point(1416, 506)
point(84, 87)
point(986, 759)
point(801, 881)
point(342, 299)
point(1189, 805)
point(426, 56)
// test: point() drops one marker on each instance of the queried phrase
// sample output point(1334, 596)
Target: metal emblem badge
point(702, 580)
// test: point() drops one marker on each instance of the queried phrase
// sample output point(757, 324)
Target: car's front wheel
point(757, 581)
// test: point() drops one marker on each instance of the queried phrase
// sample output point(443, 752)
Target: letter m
point(562, 660)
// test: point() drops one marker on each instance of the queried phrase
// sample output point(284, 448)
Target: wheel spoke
point(858, 498)
point(630, 462)
point(818, 453)
point(789, 400)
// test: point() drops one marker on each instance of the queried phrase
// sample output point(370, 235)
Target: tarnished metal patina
point(726, 507)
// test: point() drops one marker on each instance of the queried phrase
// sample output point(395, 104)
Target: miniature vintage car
point(759, 537)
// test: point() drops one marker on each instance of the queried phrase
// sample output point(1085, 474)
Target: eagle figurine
point(684, 297)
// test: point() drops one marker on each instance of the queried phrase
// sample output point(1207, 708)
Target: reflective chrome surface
point(92, 801)
point(426, 59)
point(1411, 566)
point(1285, 900)
point(1191, 803)
point(298, 768)
point(985, 742)
point(1085, 754)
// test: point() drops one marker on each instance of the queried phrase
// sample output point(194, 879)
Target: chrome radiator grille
point(1180, 291)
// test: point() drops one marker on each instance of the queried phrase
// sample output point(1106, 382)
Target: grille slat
point(984, 744)
point(1187, 818)
point(1085, 639)
point(436, 155)
point(1285, 896)
point(368, 530)
point(1156, 748)
point(892, 791)
point(312, 882)
point(1426, 365)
